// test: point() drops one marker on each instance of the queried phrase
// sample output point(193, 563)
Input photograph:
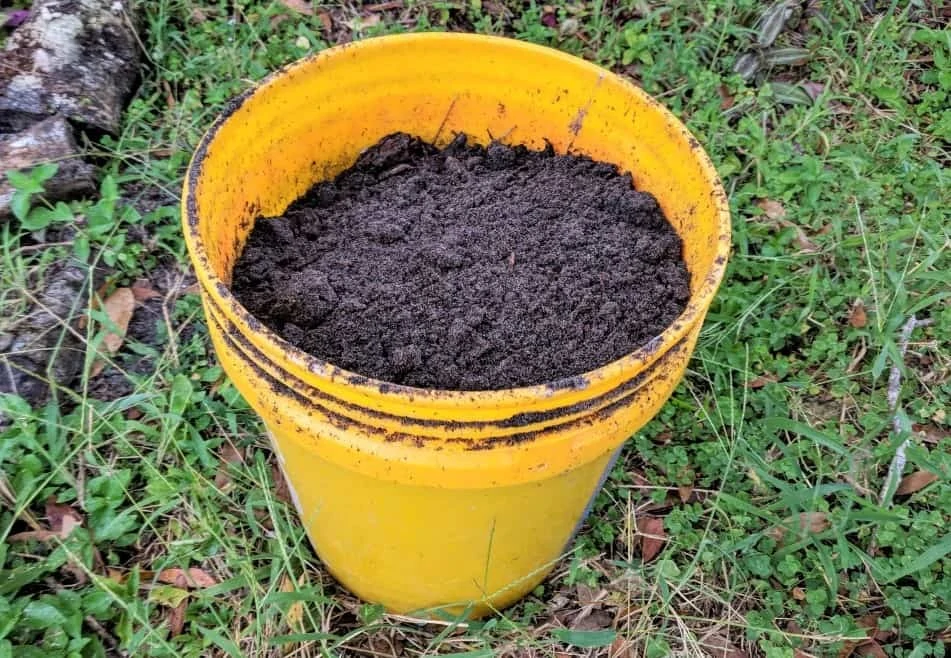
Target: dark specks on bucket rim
point(592, 410)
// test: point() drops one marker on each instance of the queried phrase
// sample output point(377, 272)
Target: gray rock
point(50, 140)
point(42, 348)
point(76, 58)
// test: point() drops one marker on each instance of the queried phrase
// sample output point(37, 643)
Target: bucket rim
point(640, 358)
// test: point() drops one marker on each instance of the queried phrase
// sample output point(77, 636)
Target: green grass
point(835, 165)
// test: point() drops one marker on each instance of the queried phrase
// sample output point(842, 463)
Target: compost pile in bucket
point(466, 268)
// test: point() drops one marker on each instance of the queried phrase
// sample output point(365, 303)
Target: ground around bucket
point(466, 268)
point(790, 501)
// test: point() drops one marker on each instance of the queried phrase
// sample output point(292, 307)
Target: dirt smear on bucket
point(467, 268)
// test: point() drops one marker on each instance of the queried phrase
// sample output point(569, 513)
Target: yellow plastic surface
point(421, 499)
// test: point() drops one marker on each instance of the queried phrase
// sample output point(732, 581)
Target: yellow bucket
point(433, 499)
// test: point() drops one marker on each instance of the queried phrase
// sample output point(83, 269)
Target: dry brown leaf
point(300, 6)
point(229, 455)
point(799, 593)
point(62, 520)
point(775, 211)
point(772, 209)
point(915, 482)
point(726, 98)
point(193, 289)
point(802, 240)
point(652, 536)
point(31, 535)
point(717, 645)
point(761, 381)
point(685, 492)
point(847, 648)
point(808, 522)
point(142, 290)
point(193, 577)
point(596, 620)
point(176, 619)
point(621, 648)
point(119, 307)
point(326, 21)
point(930, 433)
point(858, 318)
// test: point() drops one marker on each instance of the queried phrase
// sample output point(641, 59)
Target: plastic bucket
point(422, 499)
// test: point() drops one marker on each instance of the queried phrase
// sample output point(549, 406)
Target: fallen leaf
point(119, 307)
point(193, 577)
point(772, 209)
point(62, 520)
point(176, 619)
point(930, 433)
point(808, 522)
point(32, 535)
point(229, 455)
point(799, 593)
point(300, 6)
point(622, 648)
point(775, 211)
point(295, 613)
point(858, 318)
point(915, 482)
point(802, 240)
point(193, 289)
point(597, 620)
point(717, 645)
point(761, 381)
point(685, 492)
point(870, 624)
point(142, 290)
point(726, 98)
point(652, 535)
point(326, 21)
point(169, 96)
